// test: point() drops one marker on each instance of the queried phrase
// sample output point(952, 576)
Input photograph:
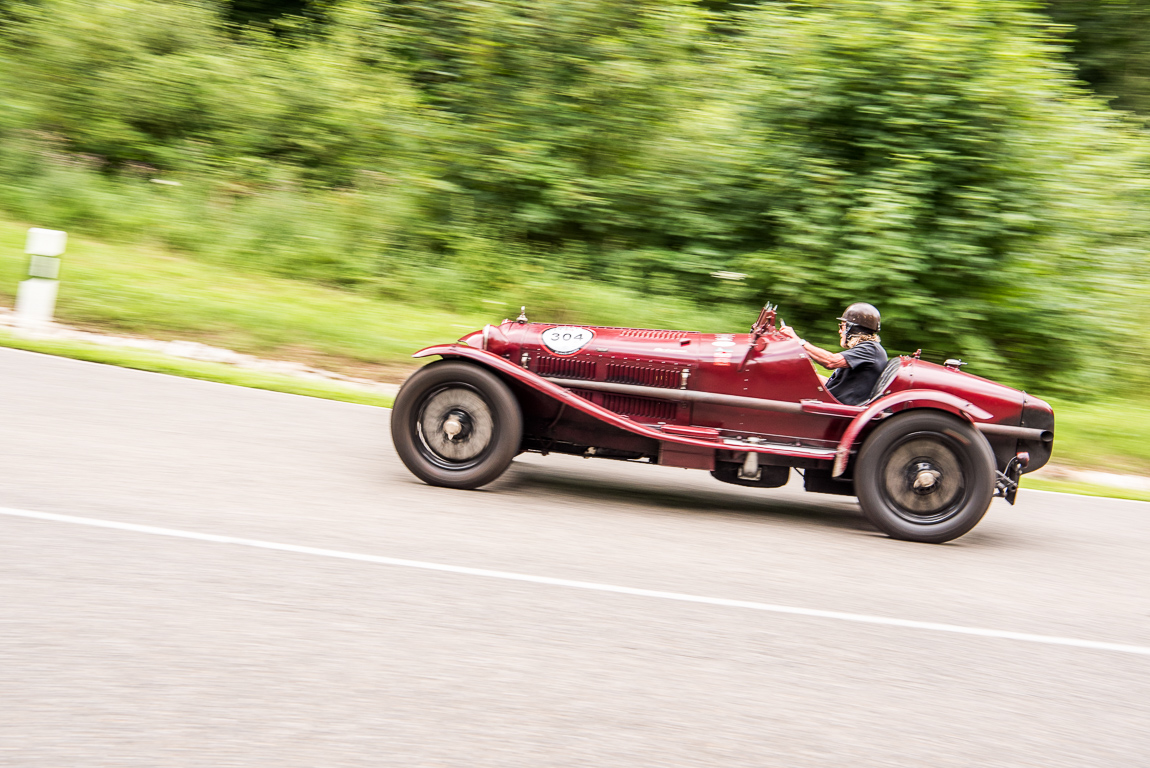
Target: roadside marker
point(36, 296)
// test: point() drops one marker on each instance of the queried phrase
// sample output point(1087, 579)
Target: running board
point(803, 451)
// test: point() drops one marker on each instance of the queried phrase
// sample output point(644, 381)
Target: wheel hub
point(926, 478)
point(455, 426)
point(458, 424)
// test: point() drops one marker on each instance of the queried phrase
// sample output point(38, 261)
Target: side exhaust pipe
point(1020, 433)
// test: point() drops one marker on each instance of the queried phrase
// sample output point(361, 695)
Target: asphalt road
point(127, 648)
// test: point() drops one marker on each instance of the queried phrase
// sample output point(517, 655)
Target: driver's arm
point(824, 358)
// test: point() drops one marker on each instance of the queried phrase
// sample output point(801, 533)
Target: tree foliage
point(924, 170)
point(937, 158)
point(1110, 46)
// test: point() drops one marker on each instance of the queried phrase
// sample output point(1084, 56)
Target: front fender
point(902, 401)
point(509, 369)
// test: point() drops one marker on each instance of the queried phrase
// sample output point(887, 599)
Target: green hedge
point(936, 158)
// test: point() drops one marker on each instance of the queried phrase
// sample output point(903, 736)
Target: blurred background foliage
point(979, 169)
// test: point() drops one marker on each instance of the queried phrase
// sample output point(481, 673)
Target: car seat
point(884, 380)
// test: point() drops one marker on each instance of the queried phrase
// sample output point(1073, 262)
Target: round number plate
point(567, 339)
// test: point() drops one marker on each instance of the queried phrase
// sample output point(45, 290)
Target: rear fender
point(903, 401)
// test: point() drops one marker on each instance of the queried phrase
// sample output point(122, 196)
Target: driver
point(859, 365)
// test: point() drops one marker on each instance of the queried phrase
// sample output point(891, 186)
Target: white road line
point(590, 585)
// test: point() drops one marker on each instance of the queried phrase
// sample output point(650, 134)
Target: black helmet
point(862, 315)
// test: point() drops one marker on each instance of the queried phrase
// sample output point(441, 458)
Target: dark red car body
point(706, 401)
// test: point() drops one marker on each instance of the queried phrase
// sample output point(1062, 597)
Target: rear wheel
point(925, 476)
point(456, 425)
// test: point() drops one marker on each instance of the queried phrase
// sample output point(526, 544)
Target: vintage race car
point(924, 455)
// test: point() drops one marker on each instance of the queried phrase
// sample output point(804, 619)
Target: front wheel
point(456, 425)
point(925, 476)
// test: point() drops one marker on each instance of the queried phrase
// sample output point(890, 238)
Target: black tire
point(488, 425)
point(925, 476)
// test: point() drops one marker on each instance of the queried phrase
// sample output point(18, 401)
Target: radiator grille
point(620, 373)
point(640, 406)
point(586, 394)
point(565, 367)
point(639, 333)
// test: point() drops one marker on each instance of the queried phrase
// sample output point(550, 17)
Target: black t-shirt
point(865, 363)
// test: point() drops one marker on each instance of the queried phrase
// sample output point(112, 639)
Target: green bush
point(935, 158)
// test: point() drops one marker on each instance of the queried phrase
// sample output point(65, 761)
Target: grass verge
point(148, 291)
point(1083, 489)
point(1108, 435)
point(194, 369)
point(140, 290)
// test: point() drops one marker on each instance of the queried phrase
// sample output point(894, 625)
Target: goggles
point(851, 328)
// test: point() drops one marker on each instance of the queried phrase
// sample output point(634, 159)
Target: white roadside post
point(36, 298)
